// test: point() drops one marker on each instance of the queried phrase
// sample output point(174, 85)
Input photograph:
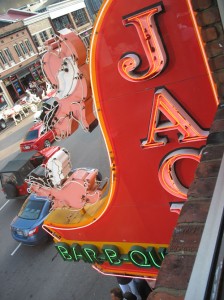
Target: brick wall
point(177, 266)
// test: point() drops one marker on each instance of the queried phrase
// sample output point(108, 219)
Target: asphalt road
point(39, 273)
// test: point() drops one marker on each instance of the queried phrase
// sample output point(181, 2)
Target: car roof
point(34, 197)
point(36, 126)
point(18, 162)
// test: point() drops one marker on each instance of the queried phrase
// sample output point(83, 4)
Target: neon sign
point(144, 23)
point(149, 86)
point(178, 119)
point(167, 174)
point(137, 255)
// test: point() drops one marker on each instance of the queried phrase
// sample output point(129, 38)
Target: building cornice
point(56, 10)
point(64, 4)
point(65, 7)
point(36, 18)
point(2, 35)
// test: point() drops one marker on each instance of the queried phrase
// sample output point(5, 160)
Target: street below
point(39, 272)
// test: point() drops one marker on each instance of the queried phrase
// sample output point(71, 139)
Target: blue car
point(26, 227)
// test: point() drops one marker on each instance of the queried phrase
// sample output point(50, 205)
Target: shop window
point(80, 17)
point(29, 46)
point(18, 87)
point(35, 75)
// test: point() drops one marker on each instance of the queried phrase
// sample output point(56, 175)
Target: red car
point(37, 138)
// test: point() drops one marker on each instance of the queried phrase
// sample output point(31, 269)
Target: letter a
point(177, 119)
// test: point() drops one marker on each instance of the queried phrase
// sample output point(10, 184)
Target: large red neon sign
point(173, 87)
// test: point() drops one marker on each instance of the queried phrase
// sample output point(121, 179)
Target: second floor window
point(61, 22)
point(3, 58)
point(18, 51)
point(51, 32)
point(80, 17)
point(23, 47)
point(36, 41)
point(96, 4)
point(43, 36)
point(29, 46)
point(8, 55)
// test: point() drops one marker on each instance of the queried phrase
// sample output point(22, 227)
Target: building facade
point(71, 14)
point(40, 28)
point(93, 7)
point(19, 61)
point(22, 43)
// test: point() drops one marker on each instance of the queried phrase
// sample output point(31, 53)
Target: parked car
point(16, 171)
point(26, 227)
point(37, 138)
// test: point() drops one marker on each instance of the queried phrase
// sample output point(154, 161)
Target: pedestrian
point(129, 296)
point(116, 294)
point(128, 284)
